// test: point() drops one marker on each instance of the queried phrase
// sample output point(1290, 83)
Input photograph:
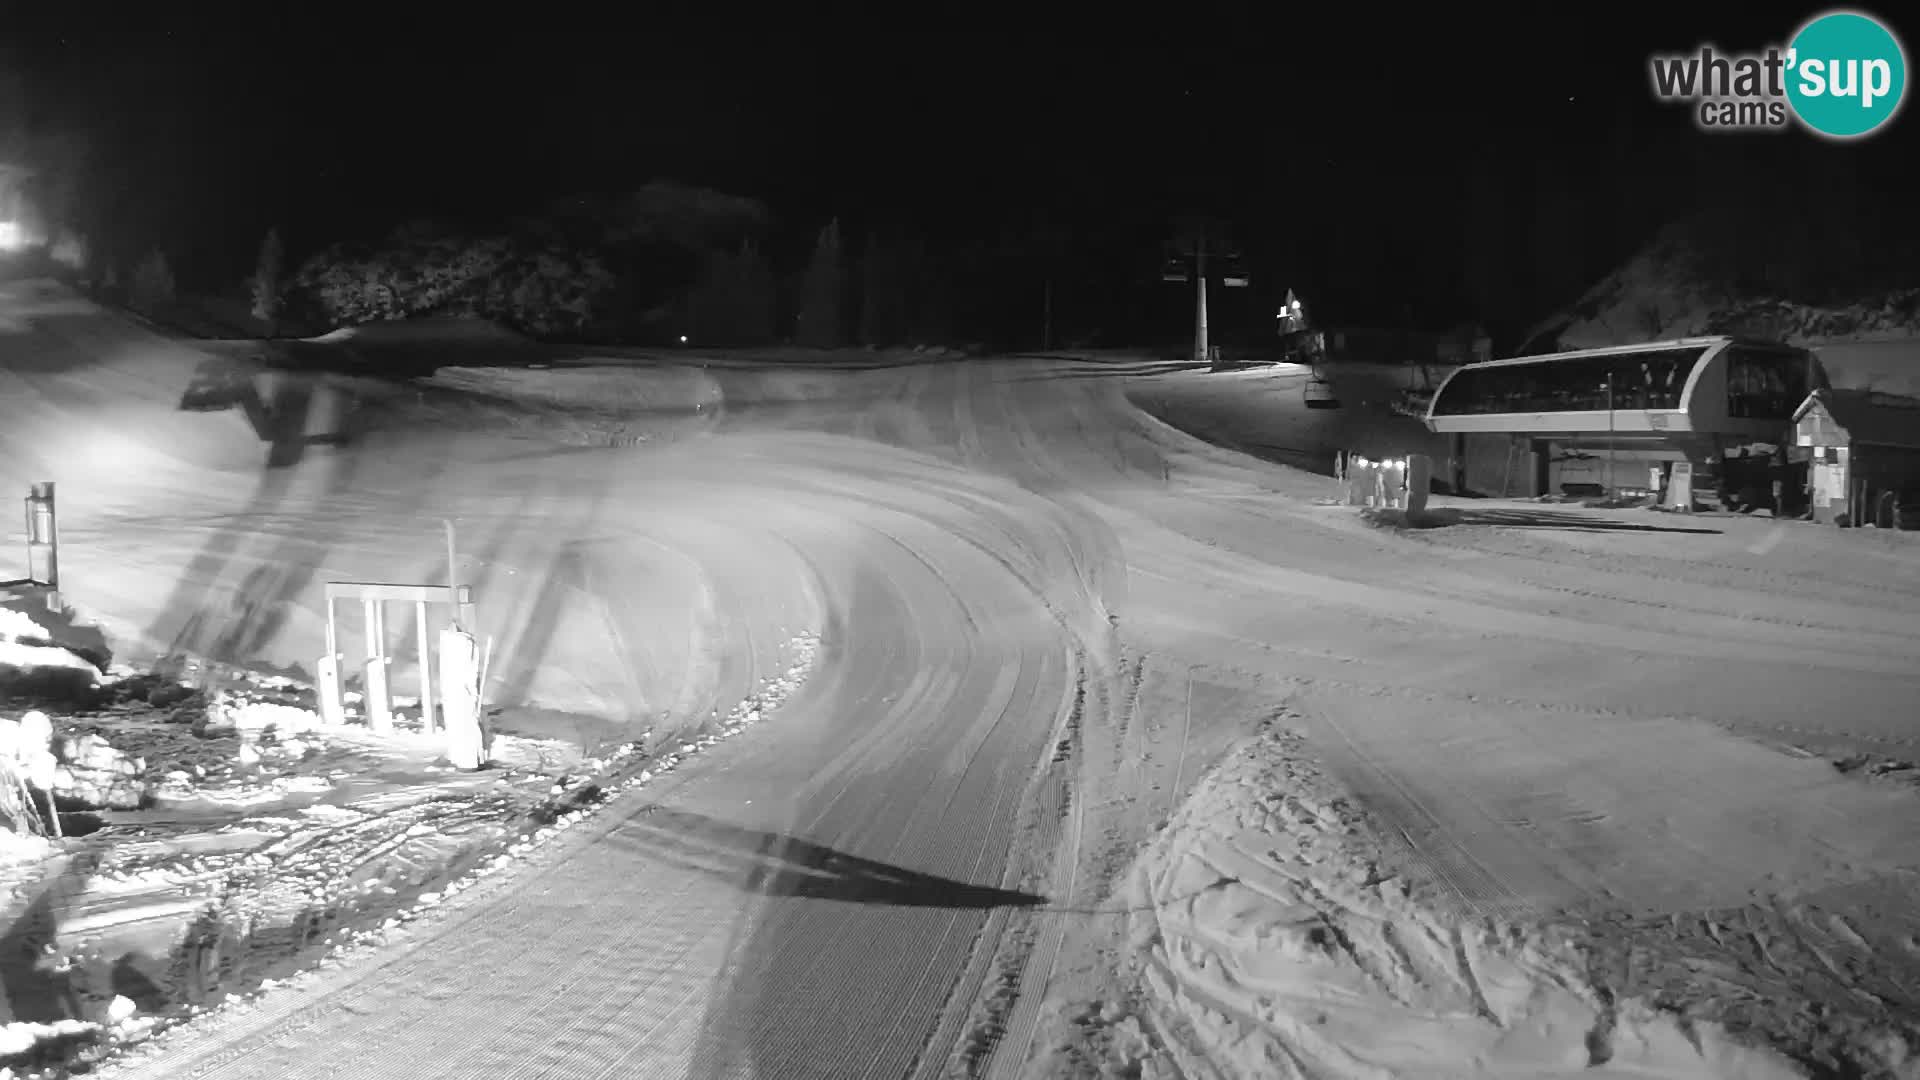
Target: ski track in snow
point(1044, 615)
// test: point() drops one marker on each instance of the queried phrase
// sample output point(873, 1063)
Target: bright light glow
point(683, 339)
point(10, 236)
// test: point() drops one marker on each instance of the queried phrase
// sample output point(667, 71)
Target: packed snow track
point(1553, 712)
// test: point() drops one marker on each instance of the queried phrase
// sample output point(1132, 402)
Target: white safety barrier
point(333, 710)
point(460, 698)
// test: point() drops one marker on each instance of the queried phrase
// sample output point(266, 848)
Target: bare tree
point(153, 286)
point(1040, 248)
point(822, 292)
point(266, 282)
point(883, 287)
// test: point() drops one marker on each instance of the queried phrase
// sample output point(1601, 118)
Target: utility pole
point(1201, 355)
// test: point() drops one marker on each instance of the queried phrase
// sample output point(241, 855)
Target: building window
point(1765, 384)
point(1653, 379)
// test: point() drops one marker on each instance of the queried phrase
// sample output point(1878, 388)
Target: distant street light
point(13, 235)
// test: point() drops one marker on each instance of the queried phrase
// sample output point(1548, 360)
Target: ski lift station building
point(1573, 421)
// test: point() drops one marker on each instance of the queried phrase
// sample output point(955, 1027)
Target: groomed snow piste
point(1045, 616)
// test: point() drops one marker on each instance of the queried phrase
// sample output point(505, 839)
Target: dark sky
point(1380, 124)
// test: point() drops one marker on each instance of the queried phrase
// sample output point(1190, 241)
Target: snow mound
point(15, 625)
point(229, 712)
point(20, 1038)
point(412, 346)
point(1273, 945)
point(614, 389)
point(31, 665)
point(443, 330)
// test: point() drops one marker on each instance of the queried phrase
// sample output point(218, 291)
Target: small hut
point(1865, 457)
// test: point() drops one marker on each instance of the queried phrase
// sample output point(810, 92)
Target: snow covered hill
point(1673, 288)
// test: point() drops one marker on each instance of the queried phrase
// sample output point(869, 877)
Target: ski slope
point(1044, 614)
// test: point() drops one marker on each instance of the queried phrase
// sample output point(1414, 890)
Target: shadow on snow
point(775, 864)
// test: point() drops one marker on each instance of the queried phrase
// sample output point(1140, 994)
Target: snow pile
point(32, 665)
point(623, 389)
point(22, 1037)
point(232, 713)
point(433, 330)
point(95, 774)
point(21, 1041)
point(18, 625)
point(1273, 945)
point(580, 406)
point(84, 769)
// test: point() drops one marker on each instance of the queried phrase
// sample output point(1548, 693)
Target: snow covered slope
point(94, 397)
point(1043, 615)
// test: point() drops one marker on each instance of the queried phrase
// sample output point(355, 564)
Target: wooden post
point(379, 703)
point(424, 639)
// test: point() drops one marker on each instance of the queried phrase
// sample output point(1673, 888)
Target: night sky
point(1356, 157)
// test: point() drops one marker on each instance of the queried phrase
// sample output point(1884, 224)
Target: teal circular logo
point(1847, 74)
